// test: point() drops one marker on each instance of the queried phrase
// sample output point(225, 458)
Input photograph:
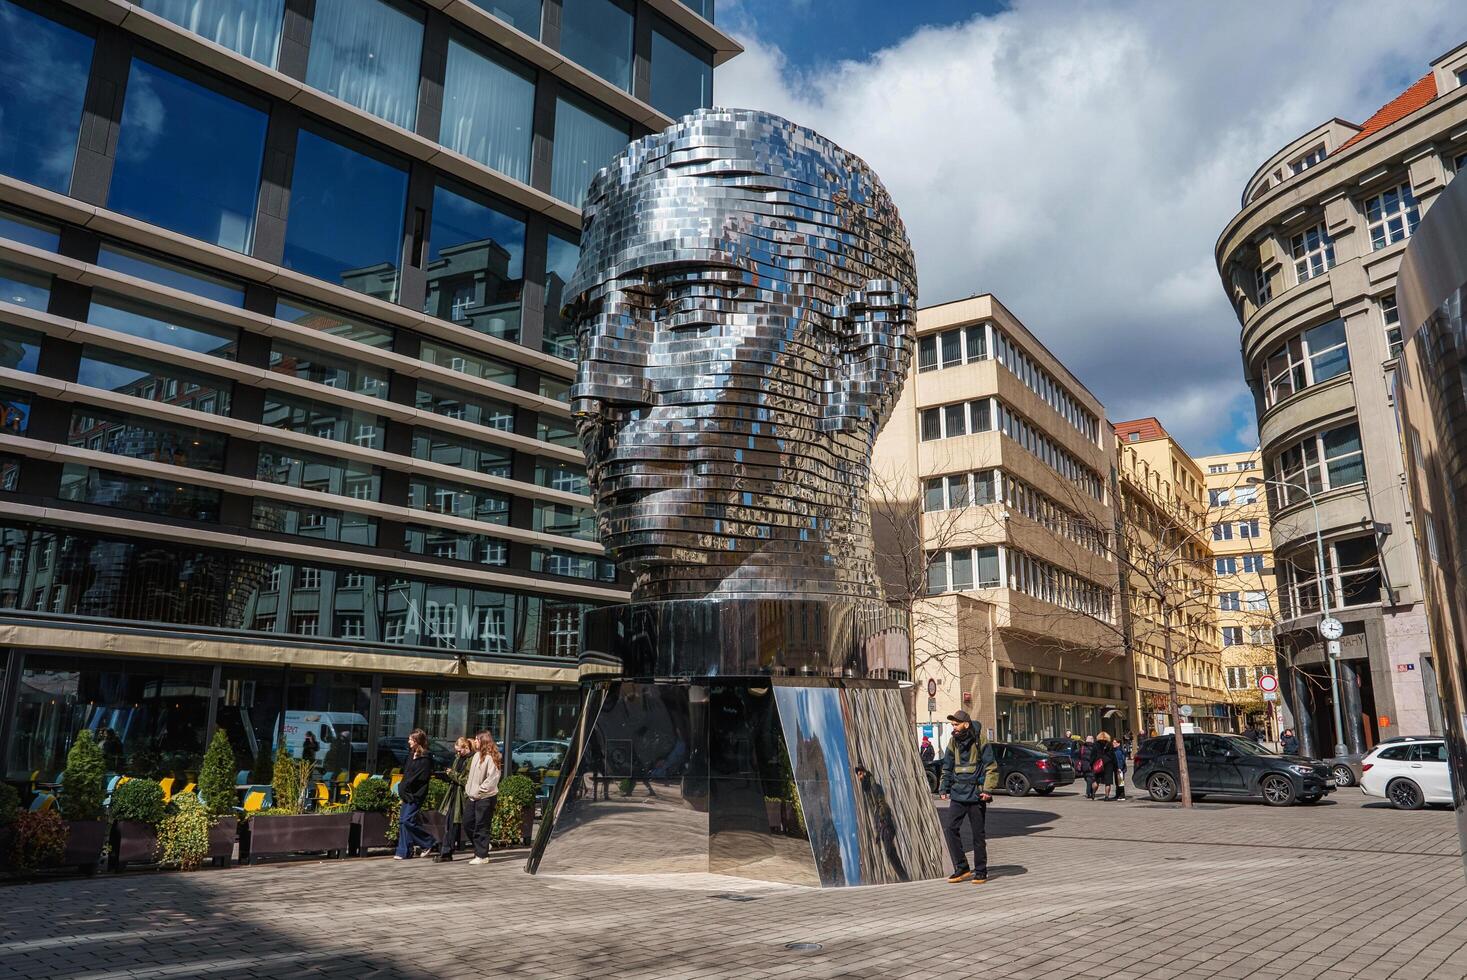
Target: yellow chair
point(323, 794)
point(187, 789)
point(396, 778)
point(254, 800)
point(167, 784)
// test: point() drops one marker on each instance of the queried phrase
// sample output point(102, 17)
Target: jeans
point(1089, 786)
point(479, 821)
point(409, 832)
point(450, 838)
point(975, 814)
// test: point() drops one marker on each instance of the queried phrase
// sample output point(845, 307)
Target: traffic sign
point(931, 688)
point(1186, 711)
point(931, 705)
point(1270, 695)
point(1268, 683)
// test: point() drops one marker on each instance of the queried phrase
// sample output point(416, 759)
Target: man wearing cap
point(969, 776)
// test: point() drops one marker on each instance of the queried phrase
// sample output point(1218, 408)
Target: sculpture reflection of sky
point(815, 734)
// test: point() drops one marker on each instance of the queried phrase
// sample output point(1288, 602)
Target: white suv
point(1408, 774)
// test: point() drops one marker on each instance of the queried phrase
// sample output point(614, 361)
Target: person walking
point(1120, 754)
point(412, 789)
point(1085, 762)
point(452, 806)
point(969, 776)
point(928, 753)
point(1289, 742)
point(481, 790)
point(1104, 765)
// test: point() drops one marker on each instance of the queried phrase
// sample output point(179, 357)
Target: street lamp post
point(1324, 610)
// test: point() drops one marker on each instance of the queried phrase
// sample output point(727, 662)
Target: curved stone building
point(1432, 386)
point(1310, 264)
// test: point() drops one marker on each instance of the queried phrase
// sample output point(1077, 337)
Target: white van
point(326, 727)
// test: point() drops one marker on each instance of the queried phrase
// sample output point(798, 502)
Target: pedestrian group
point(473, 788)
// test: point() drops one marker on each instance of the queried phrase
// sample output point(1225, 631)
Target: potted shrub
point(137, 810)
point(82, 792)
point(9, 811)
point(39, 841)
point(371, 804)
point(218, 795)
point(514, 811)
point(283, 829)
point(185, 838)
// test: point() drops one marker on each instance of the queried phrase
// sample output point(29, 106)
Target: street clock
point(1331, 628)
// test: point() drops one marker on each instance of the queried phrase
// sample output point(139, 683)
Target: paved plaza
point(1080, 889)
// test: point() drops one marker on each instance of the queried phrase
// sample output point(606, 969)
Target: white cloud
point(1079, 160)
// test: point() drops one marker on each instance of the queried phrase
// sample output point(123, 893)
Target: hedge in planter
point(137, 810)
point(40, 840)
point(216, 776)
point(183, 836)
point(82, 793)
point(373, 802)
point(515, 794)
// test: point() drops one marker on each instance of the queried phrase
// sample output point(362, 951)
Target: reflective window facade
point(43, 78)
point(476, 258)
point(188, 158)
point(367, 53)
point(249, 27)
point(346, 211)
point(488, 107)
point(586, 138)
point(597, 35)
point(682, 71)
point(522, 15)
point(561, 256)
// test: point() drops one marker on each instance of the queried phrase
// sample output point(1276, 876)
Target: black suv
point(1229, 765)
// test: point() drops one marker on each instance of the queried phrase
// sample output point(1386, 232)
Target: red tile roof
point(1145, 429)
point(1397, 109)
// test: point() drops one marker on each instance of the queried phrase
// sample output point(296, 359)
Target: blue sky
point(1078, 159)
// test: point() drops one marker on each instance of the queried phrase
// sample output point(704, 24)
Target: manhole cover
point(804, 947)
point(730, 897)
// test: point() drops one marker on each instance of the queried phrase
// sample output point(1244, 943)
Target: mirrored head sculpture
point(744, 307)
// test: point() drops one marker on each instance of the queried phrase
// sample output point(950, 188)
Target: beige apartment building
point(1163, 507)
point(1310, 263)
point(990, 492)
point(1247, 601)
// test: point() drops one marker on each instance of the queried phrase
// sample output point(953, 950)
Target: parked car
point(1346, 769)
point(1408, 774)
point(1064, 746)
point(1229, 765)
point(540, 754)
point(1022, 766)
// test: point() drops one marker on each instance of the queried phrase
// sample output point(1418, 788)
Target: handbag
point(1098, 766)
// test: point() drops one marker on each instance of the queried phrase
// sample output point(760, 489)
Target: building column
point(1350, 708)
point(1299, 704)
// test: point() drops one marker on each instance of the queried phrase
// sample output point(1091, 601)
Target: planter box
point(84, 840)
point(133, 842)
point(368, 831)
point(222, 834)
point(326, 832)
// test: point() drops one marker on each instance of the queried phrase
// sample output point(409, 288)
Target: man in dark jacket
point(1289, 742)
point(969, 777)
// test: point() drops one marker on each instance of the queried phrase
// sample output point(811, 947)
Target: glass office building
point(284, 434)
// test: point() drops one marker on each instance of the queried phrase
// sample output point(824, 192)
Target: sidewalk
point(1232, 890)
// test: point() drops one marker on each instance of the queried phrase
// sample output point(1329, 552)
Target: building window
point(1262, 286)
point(952, 347)
point(475, 266)
point(561, 256)
point(309, 577)
point(304, 314)
point(351, 627)
point(1353, 577)
point(1314, 356)
point(345, 223)
point(306, 624)
point(1228, 601)
point(366, 53)
point(954, 570)
point(522, 15)
point(1308, 160)
point(250, 28)
point(1392, 317)
point(188, 158)
point(597, 35)
point(488, 107)
point(682, 71)
point(1392, 216)
point(1260, 636)
point(1226, 566)
point(1248, 529)
point(1313, 252)
point(43, 78)
point(1323, 461)
point(1218, 468)
point(1222, 532)
point(586, 138)
point(1253, 564)
point(1255, 601)
point(1232, 636)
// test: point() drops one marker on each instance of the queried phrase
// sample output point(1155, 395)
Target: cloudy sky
point(1078, 160)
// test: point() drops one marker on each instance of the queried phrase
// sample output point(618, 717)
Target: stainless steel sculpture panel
point(744, 311)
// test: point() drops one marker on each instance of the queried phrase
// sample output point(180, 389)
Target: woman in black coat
point(1105, 754)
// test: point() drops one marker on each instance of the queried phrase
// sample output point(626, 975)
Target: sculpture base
point(811, 781)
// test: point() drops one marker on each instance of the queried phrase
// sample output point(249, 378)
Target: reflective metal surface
point(744, 307)
point(1431, 391)
point(744, 310)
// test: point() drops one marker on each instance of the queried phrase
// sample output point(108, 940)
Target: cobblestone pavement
point(1080, 889)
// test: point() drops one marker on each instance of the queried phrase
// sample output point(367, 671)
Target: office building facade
point(1310, 264)
point(286, 439)
point(1243, 570)
point(990, 486)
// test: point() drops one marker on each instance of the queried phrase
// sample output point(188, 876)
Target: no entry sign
point(1268, 683)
